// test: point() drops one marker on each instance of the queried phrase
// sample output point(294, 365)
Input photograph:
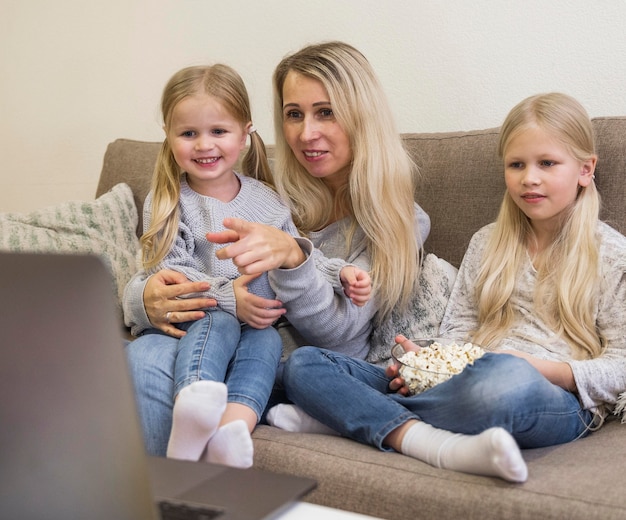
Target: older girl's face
point(543, 177)
point(311, 130)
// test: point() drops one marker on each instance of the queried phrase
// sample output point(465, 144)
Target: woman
point(330, 113)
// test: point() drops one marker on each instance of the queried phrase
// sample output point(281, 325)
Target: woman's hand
point(163, 307)
point(257, 248)
point(254, 310)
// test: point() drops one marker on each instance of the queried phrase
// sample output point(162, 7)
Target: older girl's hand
point(557, 372)
point(396, 383)
point(257, 248)
point(163, 305)
point(254, 310)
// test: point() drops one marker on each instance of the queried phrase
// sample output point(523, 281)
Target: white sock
point(492, 453)
point(197, 413)
point(291, 418)
point(231, 445)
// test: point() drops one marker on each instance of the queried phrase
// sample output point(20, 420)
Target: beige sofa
point(461, 188)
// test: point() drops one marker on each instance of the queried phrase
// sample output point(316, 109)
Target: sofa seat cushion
point(105, 227)
point(363, 479)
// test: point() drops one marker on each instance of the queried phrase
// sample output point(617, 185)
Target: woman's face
point(311, 130)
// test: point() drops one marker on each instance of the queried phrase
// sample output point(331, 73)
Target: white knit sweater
point(599, 380)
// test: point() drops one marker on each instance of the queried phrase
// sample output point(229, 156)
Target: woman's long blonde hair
point(379, 196)
point(568, 275)
point(224, 84)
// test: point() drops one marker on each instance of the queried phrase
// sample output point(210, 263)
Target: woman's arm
point(149, 299)
point(320, 313)
point(257, 248)
point(324, 316)
point(155, 300)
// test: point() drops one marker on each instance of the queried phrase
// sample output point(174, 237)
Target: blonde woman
point(543, 290)
point(349, 184)
point(342, 168)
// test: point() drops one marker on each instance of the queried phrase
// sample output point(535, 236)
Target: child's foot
point(291, 418)
point(493, 452)
point(231, 446)
point(197, 413)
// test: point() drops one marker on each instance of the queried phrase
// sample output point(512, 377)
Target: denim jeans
point(352, 397)
point(151, 358)
point(216, 348)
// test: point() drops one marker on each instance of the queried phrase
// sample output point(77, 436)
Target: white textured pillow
point(425, 311)
point(105, 227)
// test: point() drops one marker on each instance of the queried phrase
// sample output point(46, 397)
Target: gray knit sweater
point(317, 309)
point(599, 380)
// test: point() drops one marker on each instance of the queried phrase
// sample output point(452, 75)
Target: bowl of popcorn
point(434, 361)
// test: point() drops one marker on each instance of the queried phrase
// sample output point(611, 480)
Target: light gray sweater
point(194, 256)
point(599, 380)
point(317, 309)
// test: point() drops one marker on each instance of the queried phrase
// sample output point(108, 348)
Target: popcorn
point(429, 366)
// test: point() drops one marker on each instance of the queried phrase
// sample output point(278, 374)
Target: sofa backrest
point(461, 180)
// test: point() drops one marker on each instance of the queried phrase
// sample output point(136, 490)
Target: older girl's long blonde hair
point(379, 196)
point(224, 84)
point(568, 276)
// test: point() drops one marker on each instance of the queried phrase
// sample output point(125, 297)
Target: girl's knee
point(302, 356)
point(517, 371)
point(498, 378)
point(507, 367)
point(299, 362)
point(222, 320)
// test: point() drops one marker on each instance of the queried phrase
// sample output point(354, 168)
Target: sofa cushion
point(460, 186)
point(105, 226)
point(425, 311)
point(131, 162)
point(577, 480)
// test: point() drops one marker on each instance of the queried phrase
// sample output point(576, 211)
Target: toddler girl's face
point(542, 176)
point(206, 142)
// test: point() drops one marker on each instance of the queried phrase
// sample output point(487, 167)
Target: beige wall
point(76, 74)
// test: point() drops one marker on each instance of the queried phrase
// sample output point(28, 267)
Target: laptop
point(70, 439)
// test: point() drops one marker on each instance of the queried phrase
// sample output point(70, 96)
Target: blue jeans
point(353, 397)
point(216, 348)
